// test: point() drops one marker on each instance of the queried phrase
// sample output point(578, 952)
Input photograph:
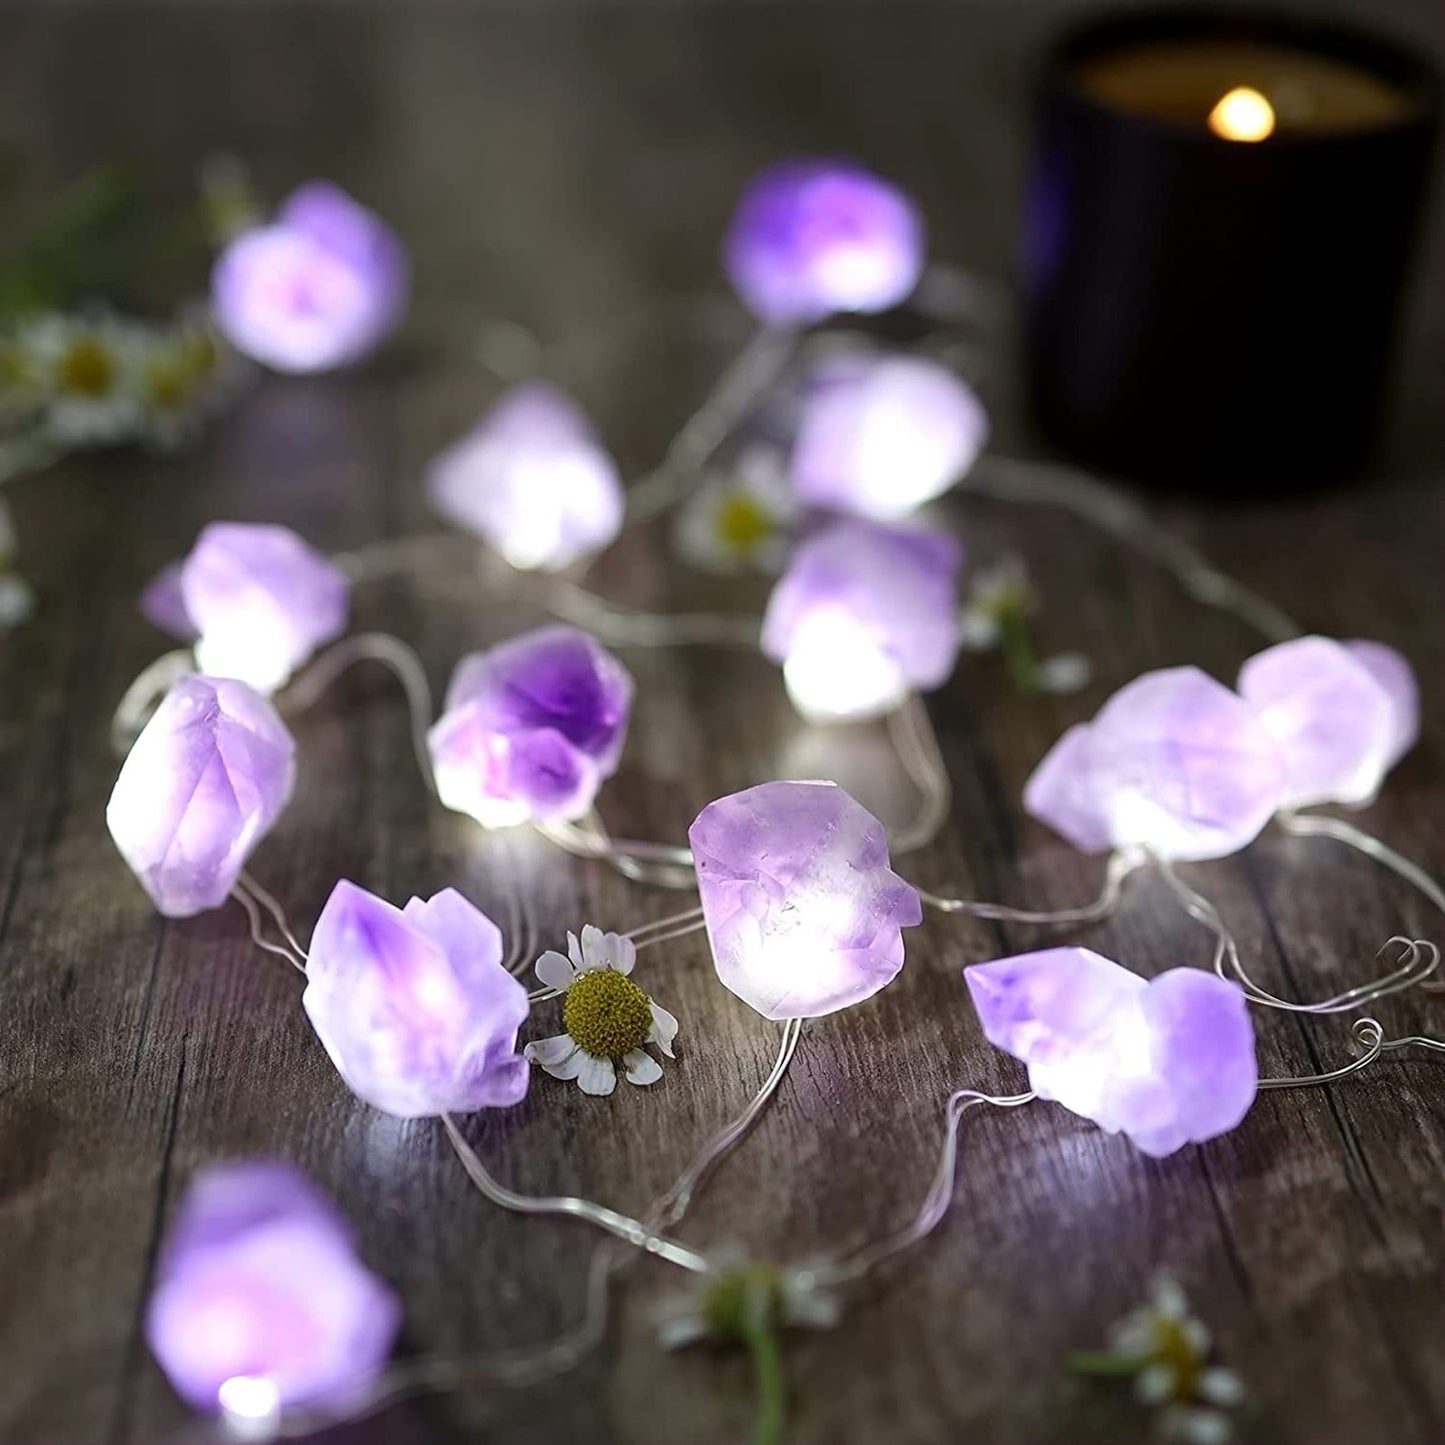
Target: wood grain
point(567, 166)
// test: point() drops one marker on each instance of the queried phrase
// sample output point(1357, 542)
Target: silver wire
point(916, 743)
point(258, 936)
point(393, 654)
point(1367, 1035)
point(1418, 958)
point(142, 697)
point(630, 1230)
point(936, 1200)
point(1121, 865)
point(1008, 479)
point(752, 371)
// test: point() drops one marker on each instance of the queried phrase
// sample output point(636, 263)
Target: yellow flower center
point(1173, 1347)
point(168, 383)
point(87, 368)
point(743, 522)
point(607, 1014)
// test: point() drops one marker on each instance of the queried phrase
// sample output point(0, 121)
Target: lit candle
point(1217, 229)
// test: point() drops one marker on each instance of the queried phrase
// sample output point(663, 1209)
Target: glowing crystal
point(880, 436)
point(533, 478)
point(813, 237)
point(864, 615)
point(413, 1004)
point(201, 786)
point(1174, 762)
point(260, 1299)
point(1168, 1061)
point(531, 728)
point(803, 912)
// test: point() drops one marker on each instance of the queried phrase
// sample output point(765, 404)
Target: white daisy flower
point(1166, 1351)
point(181, 373)
point(738, 1294)
point(87, 371)
point(607, 1017)
point(740, 519)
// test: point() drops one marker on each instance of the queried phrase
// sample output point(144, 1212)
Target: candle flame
point(1242, 114)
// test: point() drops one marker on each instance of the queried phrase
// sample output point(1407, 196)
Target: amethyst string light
point(255, 600)
point(260, 1298)
point(531, 728)
point(864, 615)
point(811, 238)
point(533, 479)
point(261, 1304)
point(318, 287)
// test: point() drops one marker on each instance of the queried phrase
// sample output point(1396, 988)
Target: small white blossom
point(607, 1018)
point(742, 518)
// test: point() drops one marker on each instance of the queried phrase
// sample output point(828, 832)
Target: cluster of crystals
point(414, 1005)
point(864, 614)
point(99, 380)
point(1177, 763)
point(531, 728)
point(803, 912)
point(201, 786)
point(532, 478)
point(317, 287)
point(261, 1302)
point(256, 600)
point(1167, 1061)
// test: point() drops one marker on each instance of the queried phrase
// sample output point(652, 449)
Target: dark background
point(568, 166)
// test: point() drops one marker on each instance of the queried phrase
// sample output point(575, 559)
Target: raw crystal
point(1174, 762)
point(881, 435)
point(202, 784)
point(414, 1005)
point(531, 728)
point(865, 614)
point(256, 598)
point(1343, 714)
point(813, 237)
point(316, 288)
point(261, 1300)
point(533, 478)
point(803, 912)
point(1168, 1061)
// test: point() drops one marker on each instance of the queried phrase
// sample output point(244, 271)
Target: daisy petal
point(682, 1329)
point(1154, 1385)
point(574, 951)
point(559, 1056)
point(595, 952)
point(663, 1031)
point(1221, 1387)
point(641, 1068)
point(554, 970)
point(596, 1076)
point(623, 953)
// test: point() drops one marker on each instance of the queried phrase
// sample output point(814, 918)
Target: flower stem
point(1019, 654)
point(771, 1423)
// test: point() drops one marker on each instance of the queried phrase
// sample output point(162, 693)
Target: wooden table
point(567, 168)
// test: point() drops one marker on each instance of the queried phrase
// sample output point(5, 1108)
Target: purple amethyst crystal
point(1168, 1062)
point(881, 435)
point(318, 287)
point(803, 912)
point(531, 728)
point(414, 1005)
point(813, 237)
point(1174, 762)
point(201, 786)
point(533, 478)
point(261, 1302)
point(1343, 714)
point(864, 615)
point(257, 600)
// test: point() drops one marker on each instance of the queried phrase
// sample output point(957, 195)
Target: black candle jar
point(1216, 311)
